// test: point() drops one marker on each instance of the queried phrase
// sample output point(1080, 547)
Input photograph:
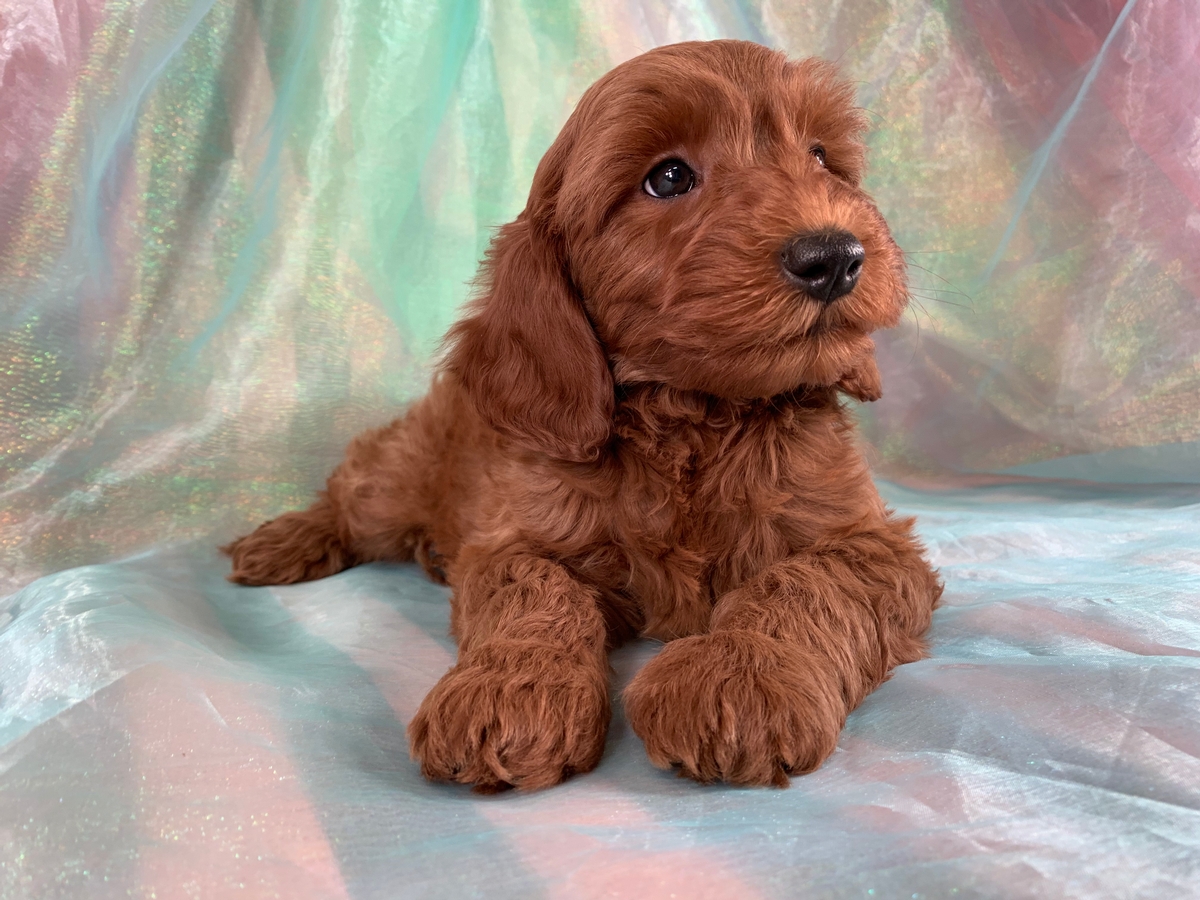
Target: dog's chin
point(818, 359)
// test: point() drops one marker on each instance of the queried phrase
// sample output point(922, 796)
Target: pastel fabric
point(231, 235)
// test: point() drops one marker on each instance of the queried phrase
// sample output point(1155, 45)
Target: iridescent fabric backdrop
point(231, 235)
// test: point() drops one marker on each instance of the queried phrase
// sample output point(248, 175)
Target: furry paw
point(735, 706)
point(298, 546)
point(512, 714)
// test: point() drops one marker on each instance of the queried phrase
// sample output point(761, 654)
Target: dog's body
point(624, 442)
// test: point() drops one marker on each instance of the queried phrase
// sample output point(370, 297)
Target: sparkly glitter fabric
point(231, 235)
point(168, 734)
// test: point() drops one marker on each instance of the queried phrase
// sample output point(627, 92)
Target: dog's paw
point(514, 714)
point(298, 546)
point(735, 706)
point(863, 382)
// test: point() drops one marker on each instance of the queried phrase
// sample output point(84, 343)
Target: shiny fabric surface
point(169, 734)
point(231, 234)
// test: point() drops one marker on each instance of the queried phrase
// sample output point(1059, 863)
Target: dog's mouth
point(823, 332)
point(831, 321)
point(826, 326)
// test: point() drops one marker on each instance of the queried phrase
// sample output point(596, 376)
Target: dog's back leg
point(298, 546)
point(381, 503)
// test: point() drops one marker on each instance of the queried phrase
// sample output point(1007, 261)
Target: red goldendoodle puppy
point(636, 431)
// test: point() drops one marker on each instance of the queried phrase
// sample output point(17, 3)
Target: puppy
point(636, 430)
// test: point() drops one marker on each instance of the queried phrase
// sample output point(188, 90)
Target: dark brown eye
point(819, 152)
point(669, 178)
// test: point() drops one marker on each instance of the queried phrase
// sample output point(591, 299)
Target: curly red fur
point(636, 430)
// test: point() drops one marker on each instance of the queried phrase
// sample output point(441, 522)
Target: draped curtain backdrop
point(232, 233)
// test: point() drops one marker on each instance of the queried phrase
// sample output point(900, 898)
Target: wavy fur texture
point(637, 430)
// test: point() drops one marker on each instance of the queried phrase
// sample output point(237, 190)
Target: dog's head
point(698, 223)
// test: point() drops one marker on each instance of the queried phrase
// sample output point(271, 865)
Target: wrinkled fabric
point(231, 235)
point(167, 732)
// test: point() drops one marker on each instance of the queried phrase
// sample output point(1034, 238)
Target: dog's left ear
point(527, 355)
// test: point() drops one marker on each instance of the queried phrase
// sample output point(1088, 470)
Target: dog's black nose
point(826, 264)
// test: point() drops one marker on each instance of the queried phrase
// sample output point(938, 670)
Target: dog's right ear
point(527, 355)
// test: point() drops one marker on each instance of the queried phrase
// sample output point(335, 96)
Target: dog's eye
point(669, 179)
point(819, 153)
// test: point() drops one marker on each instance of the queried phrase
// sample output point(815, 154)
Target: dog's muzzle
point(824, 264)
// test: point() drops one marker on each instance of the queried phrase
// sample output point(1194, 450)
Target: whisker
point(938, 277)
point(917, 322)
point(942, 300)
point(933, 290)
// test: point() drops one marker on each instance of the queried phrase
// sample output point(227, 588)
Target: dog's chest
point(698, 514)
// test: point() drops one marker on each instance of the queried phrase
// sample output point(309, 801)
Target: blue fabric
point(1048, 747)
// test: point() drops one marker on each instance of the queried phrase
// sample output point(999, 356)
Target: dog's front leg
point(765, 693)
point(527, 703)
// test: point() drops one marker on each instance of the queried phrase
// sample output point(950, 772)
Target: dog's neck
point(660, 412)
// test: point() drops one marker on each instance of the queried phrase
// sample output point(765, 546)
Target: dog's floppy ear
point(527, 355)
